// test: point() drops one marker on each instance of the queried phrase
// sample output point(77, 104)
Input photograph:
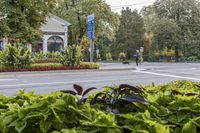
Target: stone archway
point(55, 43)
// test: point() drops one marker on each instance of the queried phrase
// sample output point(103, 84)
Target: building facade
point(54, 37)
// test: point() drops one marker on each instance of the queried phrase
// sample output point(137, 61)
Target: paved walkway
point(117, 66)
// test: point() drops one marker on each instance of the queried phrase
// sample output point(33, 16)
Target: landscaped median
point(52, 66)
point(170, 108)
point(16, 57)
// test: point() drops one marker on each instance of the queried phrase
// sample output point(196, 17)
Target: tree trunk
point(176, 54)
point(81, 29)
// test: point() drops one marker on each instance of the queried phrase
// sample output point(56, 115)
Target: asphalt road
point(147, 73)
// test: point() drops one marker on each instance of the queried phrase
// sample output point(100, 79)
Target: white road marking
point(31, 74)
point(68, 82)
point(167, 75)
point(140, 69)
point(7, 79)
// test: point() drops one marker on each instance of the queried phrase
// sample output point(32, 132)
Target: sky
point(116, 5)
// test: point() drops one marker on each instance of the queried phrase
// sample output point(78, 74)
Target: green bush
point(192, 59)
point(71, 56)
point(170, 108)
point(31, 113)
point(109, 57)
point(15, 56)
point(36, 65)
point(90, 65)
point(122, 56)
point(46, 57)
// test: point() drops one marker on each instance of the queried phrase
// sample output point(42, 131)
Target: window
point(55, 43)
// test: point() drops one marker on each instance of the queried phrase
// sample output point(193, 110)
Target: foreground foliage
point(170, 108)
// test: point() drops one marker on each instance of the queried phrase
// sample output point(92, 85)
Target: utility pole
point(91, 50)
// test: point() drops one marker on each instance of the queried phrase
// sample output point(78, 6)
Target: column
point(29, 47)
point(45, 39)
point(65, 37)
point(5, 42)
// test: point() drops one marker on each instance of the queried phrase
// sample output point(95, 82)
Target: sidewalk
point(117, 66)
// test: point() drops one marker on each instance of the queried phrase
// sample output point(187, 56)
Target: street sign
point(141, 49)
point(97, 51)
point(91, 27)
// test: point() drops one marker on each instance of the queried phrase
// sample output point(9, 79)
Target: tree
point(24, 18)
point(150, 18)
point(76, 12)
point(130, 34)
point(186, 14)
point(166, 34)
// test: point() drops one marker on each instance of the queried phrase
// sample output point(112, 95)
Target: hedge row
point(52, 66)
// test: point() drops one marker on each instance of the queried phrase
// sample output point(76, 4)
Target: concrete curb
point(116, 69)
point(70, 71)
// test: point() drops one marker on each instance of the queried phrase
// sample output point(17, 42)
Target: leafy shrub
point(72, 56)
point(45, 65)
point(15, 57)
point(170, 108)
point(120, 99)
point(30, 113)
point(91, 65)
point(109, 57)
point(79, 92)
point(174, 108)
point(52, 66)
point(167, 52)
point(122, 56)
point(192, 59)
point(49, 57)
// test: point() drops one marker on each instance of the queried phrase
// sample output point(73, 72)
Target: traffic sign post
point(91, 35)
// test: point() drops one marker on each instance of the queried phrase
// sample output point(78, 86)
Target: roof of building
point(55, 24)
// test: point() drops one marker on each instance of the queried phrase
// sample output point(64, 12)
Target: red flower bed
point(47, 68)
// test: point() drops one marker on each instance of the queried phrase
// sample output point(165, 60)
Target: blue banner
point(91, 27)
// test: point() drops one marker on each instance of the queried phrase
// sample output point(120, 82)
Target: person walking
point(137, 57)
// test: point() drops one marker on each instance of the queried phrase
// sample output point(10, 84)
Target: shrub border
point(48, 68)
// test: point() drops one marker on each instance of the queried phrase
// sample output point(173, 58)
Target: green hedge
point(170, 108)
point(90, 65)
point(51, 66)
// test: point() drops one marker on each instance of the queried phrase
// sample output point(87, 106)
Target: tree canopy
point(130, 35)
point(76, 12)
point(182, 18)
point(24, 18)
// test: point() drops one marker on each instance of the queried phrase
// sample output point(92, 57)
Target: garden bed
point(170, 108)
point(51, 67)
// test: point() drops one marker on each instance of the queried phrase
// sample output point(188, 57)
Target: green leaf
point(19, 125)
point(189, 127)
point(45, 125)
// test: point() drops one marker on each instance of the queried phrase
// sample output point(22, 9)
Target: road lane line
point(167, 75)
point(7, 79)
point(57, 73)
point(67, 82)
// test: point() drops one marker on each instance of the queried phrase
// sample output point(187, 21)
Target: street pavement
point(109, 74)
